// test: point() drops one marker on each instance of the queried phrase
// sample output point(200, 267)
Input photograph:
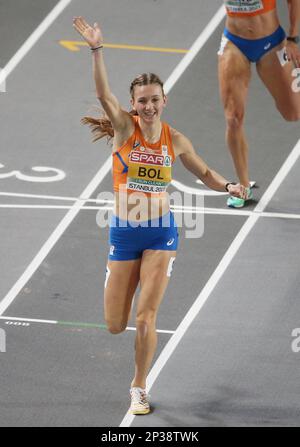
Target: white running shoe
point(139, 402)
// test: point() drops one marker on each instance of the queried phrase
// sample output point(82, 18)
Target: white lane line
point(281, 175)
point(29, 320)
point(47, 197)
point(217, 275)
point(161, 331)
point(54, 237)
point(54, 207)
point(179, 210)
point(32, 39)
point(74, 323)
point(280, 215)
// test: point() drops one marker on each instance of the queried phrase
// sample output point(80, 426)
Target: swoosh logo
point(170, 242)
point(266, 47)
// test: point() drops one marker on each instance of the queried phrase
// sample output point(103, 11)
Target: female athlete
point(253, 35)
point(143, 243)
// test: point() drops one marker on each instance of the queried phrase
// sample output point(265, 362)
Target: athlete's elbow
point(102, 99)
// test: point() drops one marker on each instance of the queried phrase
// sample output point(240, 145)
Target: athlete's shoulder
point(180, 142)
point(177, 137)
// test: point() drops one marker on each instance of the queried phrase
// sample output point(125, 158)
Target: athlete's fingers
point(77, 20)
point(78, 25)
point(294, 56)
point(79, 30)
point(239, 191)
point(84, 22)
point(81, 24)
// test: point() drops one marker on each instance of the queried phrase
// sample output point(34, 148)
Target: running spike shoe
point(139, 401)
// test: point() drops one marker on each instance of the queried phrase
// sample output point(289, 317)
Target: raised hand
point(92, 35)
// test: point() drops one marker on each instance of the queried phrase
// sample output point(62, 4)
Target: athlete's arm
point(293, 51)
point(191, 160)
point(294, 12)
point(119, 118)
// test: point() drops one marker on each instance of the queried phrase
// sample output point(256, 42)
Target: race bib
point(244, 6)
point(149, 172)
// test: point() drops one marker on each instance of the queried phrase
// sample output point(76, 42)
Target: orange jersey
point(248, 8)
point(139, 166)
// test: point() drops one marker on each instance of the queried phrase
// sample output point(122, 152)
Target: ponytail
point(101, 127)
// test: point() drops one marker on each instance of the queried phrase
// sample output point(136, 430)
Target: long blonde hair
point(102, 126)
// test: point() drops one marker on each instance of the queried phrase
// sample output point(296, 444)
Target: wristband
point(229, 183)
point(96, 48)
point(295, 39)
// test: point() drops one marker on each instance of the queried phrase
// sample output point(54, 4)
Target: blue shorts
point(255, 49)
point(129, 239)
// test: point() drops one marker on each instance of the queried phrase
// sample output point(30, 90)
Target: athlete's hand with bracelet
point(92, 35)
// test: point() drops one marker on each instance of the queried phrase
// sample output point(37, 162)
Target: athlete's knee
point(145, 322)
point(235, 120)
point(291, 115)
point(289, 110)
point(115, 328)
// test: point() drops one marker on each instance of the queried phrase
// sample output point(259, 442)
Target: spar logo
point(147, 159)
point(150, 159)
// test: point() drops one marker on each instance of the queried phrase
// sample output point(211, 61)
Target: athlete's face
point(149, 101)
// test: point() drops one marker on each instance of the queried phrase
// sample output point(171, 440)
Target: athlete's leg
point(120, 285)
point(234, 78)
point(154, 276)
point(276, 73)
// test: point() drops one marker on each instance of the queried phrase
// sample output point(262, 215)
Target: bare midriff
point(255, 27)
point(140, 207)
